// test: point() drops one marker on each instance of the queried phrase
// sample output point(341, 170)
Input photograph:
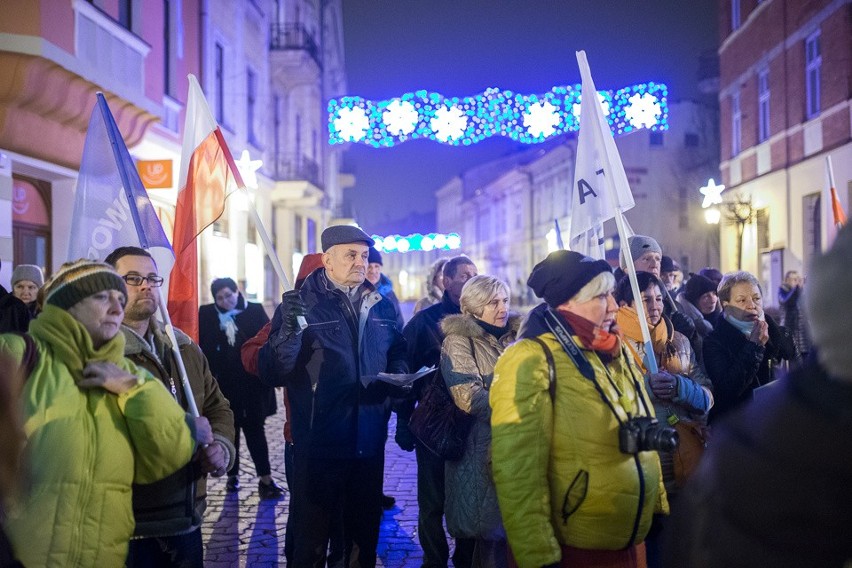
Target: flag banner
point(208, 174)
point(111, 206)
point(831, 208)
point(559, 242)
point(837, 210)
point(590, 243)
point(600, 184)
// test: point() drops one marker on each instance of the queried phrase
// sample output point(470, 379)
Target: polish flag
point(208, 174)
point(832, 203)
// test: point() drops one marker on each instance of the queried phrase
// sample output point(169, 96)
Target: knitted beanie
point(375, 257)
point(828, 287)
point(29, 272)
point(559, 277)
point(697, 286)
point(639, 245)
point(78, 280)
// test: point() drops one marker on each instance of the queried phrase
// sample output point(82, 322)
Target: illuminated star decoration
point(449, 123)
point(601, 99)
point(248, 169)
point(462, 121)
point(712, 194)
point(400, 117)
point(643, 110)
point(541, 119)
point(352, 123)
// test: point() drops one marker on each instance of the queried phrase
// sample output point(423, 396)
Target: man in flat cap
point(339, 426)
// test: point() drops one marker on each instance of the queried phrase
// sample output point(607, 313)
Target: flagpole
point(591, 102)
point(184, 379)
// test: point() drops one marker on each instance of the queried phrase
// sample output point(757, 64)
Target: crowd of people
point(637, 417)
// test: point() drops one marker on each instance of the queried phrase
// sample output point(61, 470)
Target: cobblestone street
point(241, 530)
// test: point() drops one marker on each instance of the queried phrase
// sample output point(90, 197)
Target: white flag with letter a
point(600, 184)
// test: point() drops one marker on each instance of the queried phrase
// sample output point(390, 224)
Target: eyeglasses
point(137, 280)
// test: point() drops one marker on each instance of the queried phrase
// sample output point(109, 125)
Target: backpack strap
point(551, 368)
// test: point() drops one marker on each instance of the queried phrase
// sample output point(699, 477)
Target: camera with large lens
point(644, 434)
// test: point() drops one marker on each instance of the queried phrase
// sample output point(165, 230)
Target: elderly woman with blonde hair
point(473, 341)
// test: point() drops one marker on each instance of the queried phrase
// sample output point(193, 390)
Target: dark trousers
point(256, 441)
point(327, 490)
point(178, 551)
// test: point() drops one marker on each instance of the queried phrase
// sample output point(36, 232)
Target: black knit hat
point(375, 257)
point(559, 277)
point(343, 235)
point(668, 264)
point(697, 286)
point(78, 280)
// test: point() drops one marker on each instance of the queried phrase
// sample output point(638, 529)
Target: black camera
point(644, 434)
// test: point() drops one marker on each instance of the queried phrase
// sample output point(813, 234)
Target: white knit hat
point(829, 287)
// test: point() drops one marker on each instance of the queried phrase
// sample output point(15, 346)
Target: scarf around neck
point(745, 327)
point(593, 337)
point(72, 343)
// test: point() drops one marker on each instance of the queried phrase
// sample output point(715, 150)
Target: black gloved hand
point(404, 438)
point(292, 307)
point(683, 323)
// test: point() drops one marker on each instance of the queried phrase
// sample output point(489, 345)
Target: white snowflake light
point(448, 123)
point(352, 124)
point(643, 110)
point(541, 119)
point(712, 194)
point(400, 117)
point(603, 102)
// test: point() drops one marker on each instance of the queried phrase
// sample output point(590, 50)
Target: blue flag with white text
point(111, 206)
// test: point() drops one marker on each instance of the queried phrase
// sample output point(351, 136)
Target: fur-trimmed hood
point(466, 326)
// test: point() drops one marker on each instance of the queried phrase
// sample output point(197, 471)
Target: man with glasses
point(169, 512)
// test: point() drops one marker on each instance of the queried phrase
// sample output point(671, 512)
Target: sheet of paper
point(398, 379)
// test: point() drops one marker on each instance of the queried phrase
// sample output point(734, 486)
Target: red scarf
point(592, 336)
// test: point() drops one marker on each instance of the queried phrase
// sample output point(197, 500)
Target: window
point(298, 241)
point(219, 77)
point(811, 226)
point(125, 14)
point(763, 130)
point(736, 124)
point(813, 63)
point(251, 105)
point(691, 140)
point(169, 49)
point(735, 15)
point(655, 138)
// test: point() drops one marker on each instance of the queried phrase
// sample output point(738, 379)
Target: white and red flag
point(832, 200)
point(208, 174)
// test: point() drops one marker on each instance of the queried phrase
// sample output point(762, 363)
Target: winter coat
point(561, 478)
point(250, 399)
point(334, 414)
point(14, 315)
point(432, 298)
point(176, 504)
point(794, 318)
point(773, 488)
point(86, 447)
point(385, 288)
point(737, 366)
point(468, 356)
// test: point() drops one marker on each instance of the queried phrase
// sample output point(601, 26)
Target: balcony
point(297, 181)
point(294, 47)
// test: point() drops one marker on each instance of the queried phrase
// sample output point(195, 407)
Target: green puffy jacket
point(561, 479)
point(85, 447)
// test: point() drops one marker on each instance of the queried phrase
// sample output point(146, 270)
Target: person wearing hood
point(434, 286)
point(223, 328)
point(741, 352)
point(27, 280)
point(576, 487)
point(14, 315)
point(473, 341)
point(94, 424)
point(773, 488)
point(698, 300)
point(382, 283)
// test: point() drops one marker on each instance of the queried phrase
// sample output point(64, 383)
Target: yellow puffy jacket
point(85, 447)
point(561, 478)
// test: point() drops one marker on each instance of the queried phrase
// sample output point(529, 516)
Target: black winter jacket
point(737, 366)
point(333, 414)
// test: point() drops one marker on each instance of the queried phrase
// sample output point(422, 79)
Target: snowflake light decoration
point(400, 117)
point(541, 119)
point(528, 119)
point(352, 123)
point(449, 123)
point(643, 110)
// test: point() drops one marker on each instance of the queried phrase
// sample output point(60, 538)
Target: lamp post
point(739, 212)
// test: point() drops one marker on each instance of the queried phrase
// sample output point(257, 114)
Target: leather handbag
point(692, 442)
point(438, 424)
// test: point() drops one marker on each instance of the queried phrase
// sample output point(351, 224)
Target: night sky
point(461, 47)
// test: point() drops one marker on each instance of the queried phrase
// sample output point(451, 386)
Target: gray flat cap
point(342, 235)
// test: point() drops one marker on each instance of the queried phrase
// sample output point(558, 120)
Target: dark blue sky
point(462, 47)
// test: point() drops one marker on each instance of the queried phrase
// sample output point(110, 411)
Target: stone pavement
point(241, 530)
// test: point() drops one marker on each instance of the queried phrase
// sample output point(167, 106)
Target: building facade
point(784, 107)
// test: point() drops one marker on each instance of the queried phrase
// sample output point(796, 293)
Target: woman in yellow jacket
point(576, 479)
point(94, 423)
